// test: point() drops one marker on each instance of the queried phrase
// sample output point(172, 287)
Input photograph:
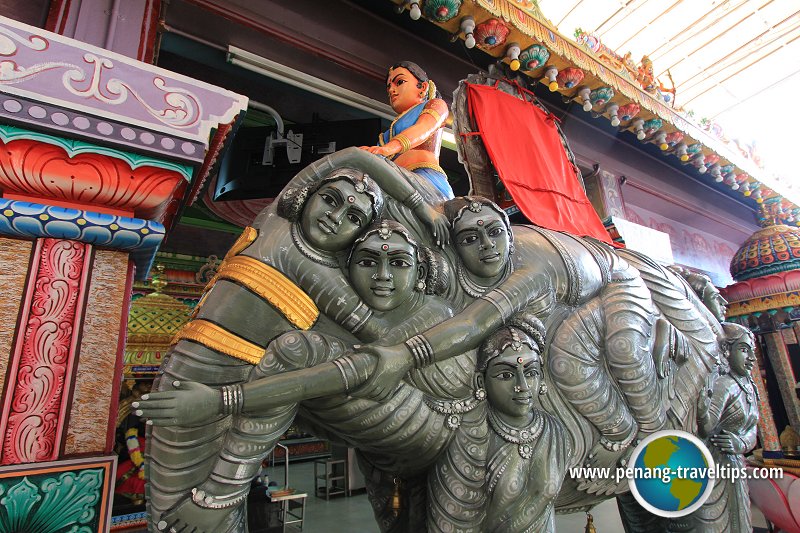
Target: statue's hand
point(436, 222)
point(392, 363)
point(188, 516)
point(725, 441)
point(384, 151)
point(704, 401)
point(189, 403)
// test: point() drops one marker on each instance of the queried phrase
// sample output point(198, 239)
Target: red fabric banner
point(527, 152)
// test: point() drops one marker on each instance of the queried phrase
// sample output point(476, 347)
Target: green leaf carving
point(62, 504)
point(18, 503)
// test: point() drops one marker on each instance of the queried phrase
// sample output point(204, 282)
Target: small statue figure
point(415, 137)
point(727, 416)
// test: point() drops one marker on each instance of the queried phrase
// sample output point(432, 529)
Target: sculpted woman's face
point(742, 357)
point(483, 242)
point(335, 215)
point(511, 379)
point(384, 271)
point(715, 303)
point(403, 91)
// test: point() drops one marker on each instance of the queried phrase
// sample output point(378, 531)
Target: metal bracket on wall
point(293, 143)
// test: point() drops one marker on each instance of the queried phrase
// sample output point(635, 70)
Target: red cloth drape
point(527, 152)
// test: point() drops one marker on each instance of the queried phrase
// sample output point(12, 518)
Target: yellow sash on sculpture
point(263, 280)
point(273, 286)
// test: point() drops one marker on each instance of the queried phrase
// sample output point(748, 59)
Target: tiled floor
point(354, 515)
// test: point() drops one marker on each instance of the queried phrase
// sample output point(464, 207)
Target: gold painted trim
point(221, 340)
point(432, 112)
point(273, 286)
point(433, 166)
point(405, 144)
point(764, 303)
point(245, 239)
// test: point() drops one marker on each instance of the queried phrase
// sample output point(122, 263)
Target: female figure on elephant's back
point(414, 139)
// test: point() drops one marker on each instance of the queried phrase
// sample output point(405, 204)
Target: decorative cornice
point(68, 122)
point(763, 304)
point(28, 220)
point(65, 72)
point(73, 148)
point(528, 27)
point(46, 169)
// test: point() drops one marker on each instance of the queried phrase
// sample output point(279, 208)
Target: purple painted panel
point(55, 69)
point(690, 246)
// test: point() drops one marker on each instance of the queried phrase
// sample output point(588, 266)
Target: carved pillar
point(42, 368)
point(779, 357)
point(766, 420)
point(98, 152)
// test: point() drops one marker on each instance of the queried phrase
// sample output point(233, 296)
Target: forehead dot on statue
point(385, 247)
point(519, 360)
point(480, 222)
point(351, 199)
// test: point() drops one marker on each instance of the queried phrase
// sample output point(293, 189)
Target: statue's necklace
point(317, 256)
point(748, 391)
point(522, 437)
point(476, 290)
point(453, 409)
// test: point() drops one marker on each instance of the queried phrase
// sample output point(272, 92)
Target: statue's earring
point(420, 287)
point(480, 394)
point(543, 389)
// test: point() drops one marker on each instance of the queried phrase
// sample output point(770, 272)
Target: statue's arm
point(469, 328)
point(456, 335)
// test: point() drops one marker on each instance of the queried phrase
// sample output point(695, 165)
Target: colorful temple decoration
point(70, 495)
point(152, 324)
point(626, 84)
point(441, 10)
point(491, 34)
point(771, 250)
point(766, 298)
point(99, 154)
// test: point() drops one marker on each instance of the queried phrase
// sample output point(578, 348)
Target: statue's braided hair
point(292, 200)
point(454, 210)
point(523, 328)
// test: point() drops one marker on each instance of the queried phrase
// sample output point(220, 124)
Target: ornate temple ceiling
point(734, 62)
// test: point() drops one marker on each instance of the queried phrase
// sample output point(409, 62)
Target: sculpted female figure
point(273, 281)
point(414, 139)
point(529, 449)
point(727, 415)
point(553, 274)
point(391, 273)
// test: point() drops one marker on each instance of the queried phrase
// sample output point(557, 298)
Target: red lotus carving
point(46, 172)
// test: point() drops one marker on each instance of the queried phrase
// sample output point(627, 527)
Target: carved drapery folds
point(45, 355)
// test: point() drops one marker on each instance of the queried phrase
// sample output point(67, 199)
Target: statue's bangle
point(421, 350)
point(405, 143)
point(413, 201)
point(232, 399)
point(209, 501)
point(614, 445)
